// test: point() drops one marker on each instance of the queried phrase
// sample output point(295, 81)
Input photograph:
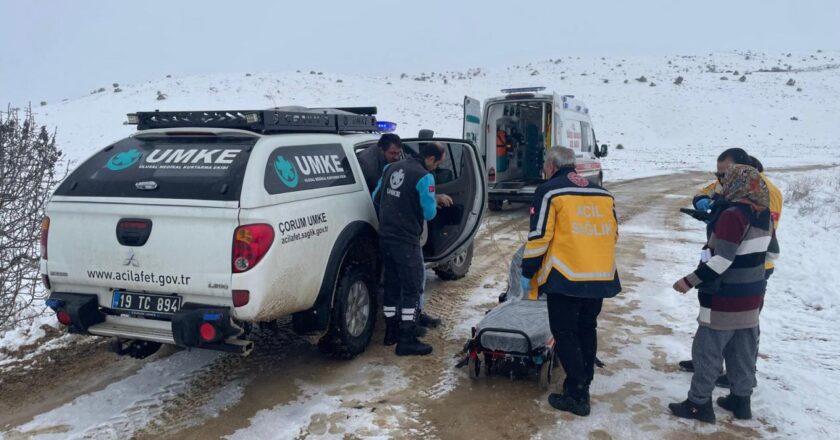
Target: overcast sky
point(63, 49)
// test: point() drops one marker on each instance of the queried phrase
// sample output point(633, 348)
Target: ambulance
point(513, 131)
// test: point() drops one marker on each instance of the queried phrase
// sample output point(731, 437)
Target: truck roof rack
point(523, 90)
point(276, 120)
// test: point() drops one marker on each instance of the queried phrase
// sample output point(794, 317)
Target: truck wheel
point(354, 311)
point(495, 205)
point(458, 267)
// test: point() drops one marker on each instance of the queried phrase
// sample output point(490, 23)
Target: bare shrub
point(802, 193)
point(800, 189)
point(28, 159)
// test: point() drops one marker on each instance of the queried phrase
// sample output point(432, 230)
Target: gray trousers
point(711, 348)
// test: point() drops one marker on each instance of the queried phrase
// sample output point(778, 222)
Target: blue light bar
point(54, 303)
point(386, 126)
point(523, 90)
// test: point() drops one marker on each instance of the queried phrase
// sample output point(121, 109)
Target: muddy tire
point(546, 372)
point(495, 205)
point(456, 268)
point(474, 367)
point(354, 312)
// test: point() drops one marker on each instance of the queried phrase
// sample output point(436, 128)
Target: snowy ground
point(662, 128)
point(285, 389)
point(666, 128)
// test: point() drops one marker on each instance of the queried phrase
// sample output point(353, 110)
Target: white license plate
point(145, 303)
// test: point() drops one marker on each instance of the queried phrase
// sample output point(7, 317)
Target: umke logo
point(286, 172)
point(124, 159)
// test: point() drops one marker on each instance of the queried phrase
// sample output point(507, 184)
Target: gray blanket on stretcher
point(516, 313)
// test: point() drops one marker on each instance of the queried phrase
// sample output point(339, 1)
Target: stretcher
point(515, 335)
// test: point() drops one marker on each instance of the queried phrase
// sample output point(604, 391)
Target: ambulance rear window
point(171, 167)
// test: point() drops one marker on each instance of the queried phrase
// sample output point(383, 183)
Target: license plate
point(145, 303)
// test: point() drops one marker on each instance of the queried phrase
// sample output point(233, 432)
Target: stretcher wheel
point(546, 372)
point(488, 364)
point(474, 367)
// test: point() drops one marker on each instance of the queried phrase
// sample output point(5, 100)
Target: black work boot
point(687, 366)
point(574, 399)
point(722, 381)
point(738, 405)
point(690, 410)
point(567, 403)
point(425, 320)
point(392, 330)
point(408, 344)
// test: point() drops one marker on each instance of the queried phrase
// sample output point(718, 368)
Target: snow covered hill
point(662, 125)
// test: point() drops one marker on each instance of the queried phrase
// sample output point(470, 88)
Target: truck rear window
point(183, 167)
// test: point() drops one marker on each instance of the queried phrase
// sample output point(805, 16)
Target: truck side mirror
point(603, 151)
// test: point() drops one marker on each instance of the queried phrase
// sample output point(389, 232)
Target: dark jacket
point(572, 238)
point(404, 197)
point(372, 162)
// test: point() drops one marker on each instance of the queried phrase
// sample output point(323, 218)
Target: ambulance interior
point(522, 132)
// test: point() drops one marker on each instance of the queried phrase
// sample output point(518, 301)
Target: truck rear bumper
point(183, 330)
point(525, 196)
point(133, 328)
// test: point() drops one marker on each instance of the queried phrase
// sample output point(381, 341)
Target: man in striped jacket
point(731, 284)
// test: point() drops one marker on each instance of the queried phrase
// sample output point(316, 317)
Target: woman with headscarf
point(731, 284)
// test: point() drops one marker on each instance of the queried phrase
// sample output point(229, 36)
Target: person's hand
point(704, 204)
point(525, 283)
point(682, 286)
point(443, 200)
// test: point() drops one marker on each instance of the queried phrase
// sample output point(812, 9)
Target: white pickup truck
point(205, 222)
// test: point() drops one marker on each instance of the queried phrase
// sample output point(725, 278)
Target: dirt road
point(286, 389)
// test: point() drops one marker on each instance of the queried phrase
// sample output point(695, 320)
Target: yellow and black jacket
point(571, 243)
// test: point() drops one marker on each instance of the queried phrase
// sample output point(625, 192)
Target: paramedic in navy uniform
point(404, 198)
point(570, 255)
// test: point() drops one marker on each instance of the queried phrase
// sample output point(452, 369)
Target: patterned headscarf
point(743, 184)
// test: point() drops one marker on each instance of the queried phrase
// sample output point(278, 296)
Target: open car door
point(472, 123)
point(461, 177)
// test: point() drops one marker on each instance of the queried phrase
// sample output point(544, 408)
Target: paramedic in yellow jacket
point(570, 255)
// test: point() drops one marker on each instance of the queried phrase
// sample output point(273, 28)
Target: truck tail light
point(241, 298)
point(45, 235)
point(250, 244)
point(63, 317)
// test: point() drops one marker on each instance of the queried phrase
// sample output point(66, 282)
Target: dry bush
point(28, 159)
point(800, 190)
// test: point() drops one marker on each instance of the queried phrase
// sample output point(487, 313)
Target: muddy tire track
point(441, 404)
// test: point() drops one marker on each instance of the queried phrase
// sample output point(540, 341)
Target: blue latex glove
point(704, 204)
point(525, 283)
